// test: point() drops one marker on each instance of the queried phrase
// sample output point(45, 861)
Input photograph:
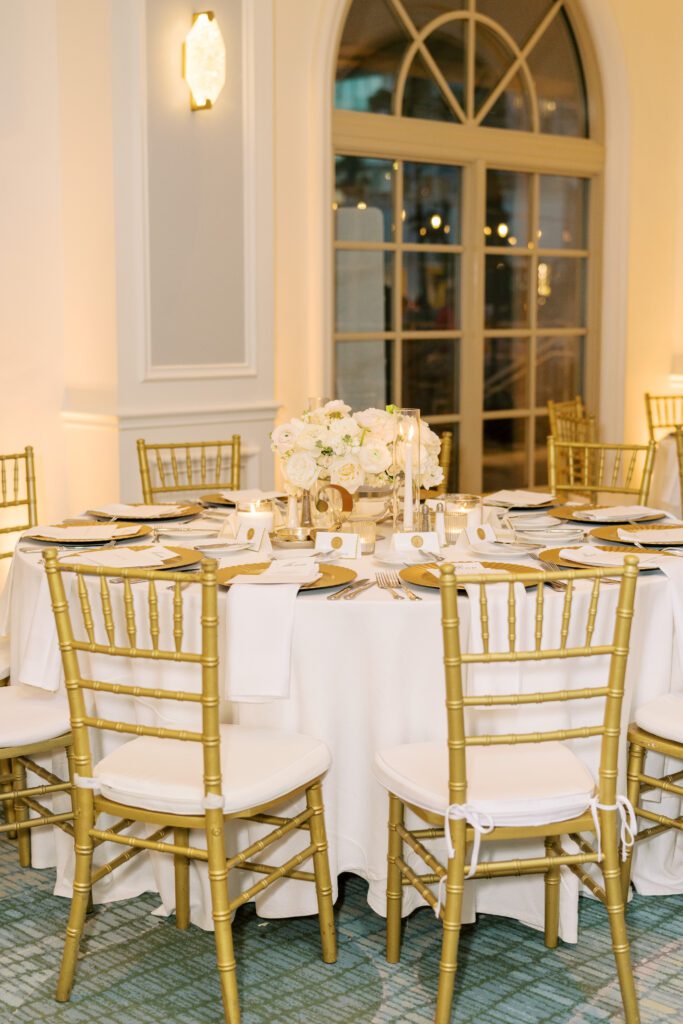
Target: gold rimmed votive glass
point(460, 511)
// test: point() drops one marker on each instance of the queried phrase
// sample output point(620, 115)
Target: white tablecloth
point(365, 674)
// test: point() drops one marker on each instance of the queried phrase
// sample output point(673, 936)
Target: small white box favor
point(423, 541)
point(476, 534)
point(345, 545)
point(252, 535)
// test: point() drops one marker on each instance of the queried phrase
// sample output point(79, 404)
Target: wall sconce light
point(204, 61)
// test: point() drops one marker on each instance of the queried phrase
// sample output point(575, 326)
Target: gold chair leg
point(615, 910)
point(636, 761)
point(452, 915)
point(552, 898)
point(80, 900)
point(394, 882)
point(6, 769)
point(21, 813)
point(181, 867)
point(321, 868)
point(220, 909)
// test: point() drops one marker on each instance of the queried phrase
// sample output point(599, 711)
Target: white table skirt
point(365, 674)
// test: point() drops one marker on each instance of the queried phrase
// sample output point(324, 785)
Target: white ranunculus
point(432, 476)
point(430, 440)
point(336, 407)
point(374, 419)
point(310, 437)
point(374, 456)
point(346, 471)
point(344, 427)
point(284, 437)
point(301, 470)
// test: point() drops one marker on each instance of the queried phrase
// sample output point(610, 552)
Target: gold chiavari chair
point(657, 729)
point(574, 408)
point(575, 428)
point(177, 779)
point(484, 786)
point(188, 467)
point(445, 462)
point(592, 469)
point(678, 435)
point(664, 412)
point(31, 722)
point(17, 493)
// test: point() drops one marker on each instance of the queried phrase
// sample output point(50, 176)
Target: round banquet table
point(365, 674)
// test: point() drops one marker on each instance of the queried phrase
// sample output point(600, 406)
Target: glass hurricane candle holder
point(407, 465)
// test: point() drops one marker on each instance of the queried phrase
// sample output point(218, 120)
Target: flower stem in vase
point(306, 519)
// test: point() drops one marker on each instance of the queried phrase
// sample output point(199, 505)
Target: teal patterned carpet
point(138, 969)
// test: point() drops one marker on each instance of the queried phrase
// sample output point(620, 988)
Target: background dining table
point(365, 674)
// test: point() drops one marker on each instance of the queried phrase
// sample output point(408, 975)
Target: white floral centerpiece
point(334, 445)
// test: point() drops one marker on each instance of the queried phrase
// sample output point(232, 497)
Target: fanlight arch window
point(468, 164)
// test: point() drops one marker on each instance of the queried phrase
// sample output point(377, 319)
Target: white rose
point(344, 427)
point(301, 470)
point(345, 470)
point(432, 476)
point(430, 440)
point(374, 457)
point(369, 419)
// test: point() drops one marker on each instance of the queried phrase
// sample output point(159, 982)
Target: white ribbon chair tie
point(480, 822)
point(627, 819)
point(86, 782)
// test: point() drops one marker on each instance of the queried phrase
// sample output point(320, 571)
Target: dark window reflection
point(431, 376)
point(431, 283)
point(507, 291)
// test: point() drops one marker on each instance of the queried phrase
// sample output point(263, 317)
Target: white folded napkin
point(122, 558)
point(511, 499)
point(244, 497)
point(102, 531)
point(283, 571)
point(605, 515)
point(120, 510)
point(589, 555)
point(260, 624)
point(672, 535)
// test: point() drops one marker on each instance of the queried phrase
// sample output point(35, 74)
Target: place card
point(251, 535)
point(476, 534)
point(345, 545)
point(426, 541)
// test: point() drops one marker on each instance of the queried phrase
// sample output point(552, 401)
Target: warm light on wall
point(204, 61)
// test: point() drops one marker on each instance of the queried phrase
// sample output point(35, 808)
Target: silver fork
point(384, 584)
point(548, 566)
point(395, 580)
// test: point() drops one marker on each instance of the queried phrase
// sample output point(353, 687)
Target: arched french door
point(468, 171)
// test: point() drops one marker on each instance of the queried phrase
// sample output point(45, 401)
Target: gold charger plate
point(419, 575)
point(552, 556)
point(215, 498)
point(570, 514)
point(610, 533)
point(332, 575)
point(183, 558)
point(186, 511)
point(142, 531)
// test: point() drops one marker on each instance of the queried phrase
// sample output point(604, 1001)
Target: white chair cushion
point(525, 784)
point(4, 657)
point(30, 715)
point(258, 765)
point(663, 716)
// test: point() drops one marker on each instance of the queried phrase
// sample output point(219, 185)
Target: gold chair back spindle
point(188, 468)
point(151, 636)
point(593, 468)
point(463, 714)
point(664, 413)
point(573, 408)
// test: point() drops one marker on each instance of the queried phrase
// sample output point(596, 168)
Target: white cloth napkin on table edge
point(121, 558)
point(672, 535)
point(250, 495)
point(258, 671)
point(599, 558)
point(520, 497)
point(122, 509)
point(620, 512)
